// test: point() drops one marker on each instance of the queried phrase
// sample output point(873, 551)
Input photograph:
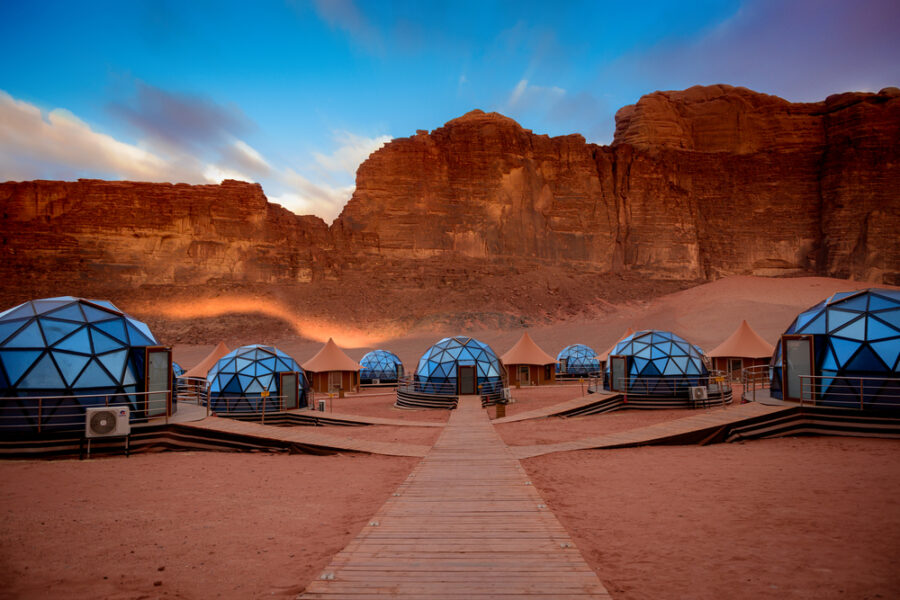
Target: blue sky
point(295, 94)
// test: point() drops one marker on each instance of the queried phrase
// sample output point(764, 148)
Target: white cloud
point(525, 96)
point(353, 150)
point(61, 146)
point(30, 145)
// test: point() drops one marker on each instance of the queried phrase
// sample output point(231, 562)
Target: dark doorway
point(287, 389)
point(467, 378)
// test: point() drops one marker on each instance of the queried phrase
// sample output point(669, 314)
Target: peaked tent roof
point(526, 352)
point(744, 342)
point(603, 357)
point(201, 369)
point(330, 358)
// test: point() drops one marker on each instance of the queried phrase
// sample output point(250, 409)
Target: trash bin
point(322, 405)
point(341, 393)
point(501, 410)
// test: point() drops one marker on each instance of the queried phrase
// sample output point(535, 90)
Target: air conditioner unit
point(106, 421)
point(376, 381)
point(698, 393)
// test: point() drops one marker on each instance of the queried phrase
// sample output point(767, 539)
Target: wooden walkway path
point(466, 524)
point(309, 436)
point(559, 408)
point(690, 429)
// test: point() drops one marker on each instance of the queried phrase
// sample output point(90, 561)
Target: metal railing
point(60, 414)
point(753, 379)
point(850, 392)
point(716, 383)
point(491, 391)
point(193, 390)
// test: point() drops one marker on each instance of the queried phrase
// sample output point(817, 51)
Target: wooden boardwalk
point(352, 419)
point(308, 436)
point(690, 429)
point(559, 408)
point(466, 524)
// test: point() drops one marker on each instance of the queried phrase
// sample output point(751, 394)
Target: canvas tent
point(742, 349)
point(202, 368)
point(527, 364)
point(331, 370)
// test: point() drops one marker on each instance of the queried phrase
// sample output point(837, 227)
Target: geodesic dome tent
point(380, 365)
point(442, 370)
point(578, 360)
point(658, 363)
point(852, 335)
point(72, 353)
point(249, 379)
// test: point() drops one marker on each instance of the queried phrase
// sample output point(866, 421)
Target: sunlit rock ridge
point(697, 184)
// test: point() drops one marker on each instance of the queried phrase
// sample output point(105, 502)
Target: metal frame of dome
point(383, 365)
point(580, 360)
point(855, 334)
point(660, 363)
point(238, 380)
point(72, 347)
point(435, 375)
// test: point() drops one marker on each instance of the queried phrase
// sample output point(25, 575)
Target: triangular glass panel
point(829, 362)
point(114, 328)
point(95, 314)
point(106, 304)
point(639, 364)
point(17, 362)
point(859, 303)
point(77, 342)
point(102, 343)
point(254, 387)
point(114, 362)
point(268, 363)
point(266, 381)
point(838, 318)
point(891, 317)
point(70, 365)
point(681, 362)
point(18, 312)
point(282, 366)
point(55, 330)
point(136, 337)
point(45, 306)
point(692, 367)
point(826, 381)
point(30, 337)
point(651, 370)
point(645, 353)
point(864, 361)
point(143, 329)
point(888, 351)
point(233, 386)
point(72, 312)
point(805, 318)
point(245, 380)
point(876, 329)
point(248, 369)
point(877, 302)
point(94, 376)
point(818, 325)
point(854, 330)
point(43, 376)
point(128, 377)
point(7, 328)
point(843, 349)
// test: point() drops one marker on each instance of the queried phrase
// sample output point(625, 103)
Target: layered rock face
point(697, 184)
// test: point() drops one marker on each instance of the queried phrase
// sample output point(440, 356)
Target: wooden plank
point(466, 523)
point(560, 408)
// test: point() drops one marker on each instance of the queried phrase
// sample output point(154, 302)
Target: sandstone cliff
point(697, 184)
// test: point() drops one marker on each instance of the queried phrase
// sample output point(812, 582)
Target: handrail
point(864, 392)
point(754, 378)
point(488, 390)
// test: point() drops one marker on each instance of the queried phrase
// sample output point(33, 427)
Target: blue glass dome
point(579, 360)
point(855, 334)
point(237, 381)
point(660, 363)
point(69, 347)
point(381, 365)
point(437, 372)
point(177, 370)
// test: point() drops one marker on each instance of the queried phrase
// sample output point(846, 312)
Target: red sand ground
point(783, 518)
point(203, 525)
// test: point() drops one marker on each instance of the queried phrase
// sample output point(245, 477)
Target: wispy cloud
point(58, 145)
point(346, 15)
point(528, 97)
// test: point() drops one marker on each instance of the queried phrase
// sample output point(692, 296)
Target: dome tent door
point(158, 380)
point(467, 378)
point(798, 362)
point(287, 389)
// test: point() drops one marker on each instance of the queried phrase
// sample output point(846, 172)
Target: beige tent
point(331, 369)
point(603, 357)
point(202, 368)
point(743, 348)
point(527, 364)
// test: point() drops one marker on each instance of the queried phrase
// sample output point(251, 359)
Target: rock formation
point(697, 184)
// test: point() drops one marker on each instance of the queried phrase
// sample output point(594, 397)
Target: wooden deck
point(467, 523)
point(691, 429)
point(352, 419)
point(560, 408)
point(306, 436)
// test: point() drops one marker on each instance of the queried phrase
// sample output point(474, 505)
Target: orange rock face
point(697, 184)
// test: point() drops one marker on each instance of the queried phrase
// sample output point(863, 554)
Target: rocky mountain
point(698, 184)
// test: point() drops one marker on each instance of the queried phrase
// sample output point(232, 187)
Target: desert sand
point(797, 517)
